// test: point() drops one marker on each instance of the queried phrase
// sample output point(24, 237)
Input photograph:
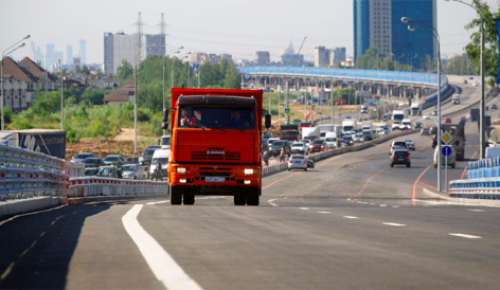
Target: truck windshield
point(289, 133)
point(398, 117)
point(217, 118)
point(348, 128)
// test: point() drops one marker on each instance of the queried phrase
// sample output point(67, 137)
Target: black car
point(462, 120)
point(399, 156)
point(434, 130)
point(277, 146)
point(148, 154)
point(418, 125)
point(93, 162)
point(494, 107)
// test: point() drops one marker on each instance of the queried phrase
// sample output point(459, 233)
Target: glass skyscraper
point(377, 23)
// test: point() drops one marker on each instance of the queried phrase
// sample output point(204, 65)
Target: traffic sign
point(446, 150)
point(287, 111)
point(447, 137)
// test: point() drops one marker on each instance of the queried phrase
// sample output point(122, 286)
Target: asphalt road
point(352, 222)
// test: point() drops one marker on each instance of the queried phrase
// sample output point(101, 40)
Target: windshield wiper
point(211, 124)
point(234, 126)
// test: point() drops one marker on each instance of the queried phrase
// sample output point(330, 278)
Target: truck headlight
point(249, 171)
point(181, 170)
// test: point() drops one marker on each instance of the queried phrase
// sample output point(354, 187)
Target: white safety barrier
point(329, 153)
point(100, 186)
point(25, 173)
point(480, 188)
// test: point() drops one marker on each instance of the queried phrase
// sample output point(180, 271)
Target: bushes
point(8, 115)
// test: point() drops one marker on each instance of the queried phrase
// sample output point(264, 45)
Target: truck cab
point(215, 144)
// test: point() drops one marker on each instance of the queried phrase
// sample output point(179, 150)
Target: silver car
point(297, 162)
point(300, 147)
point(133, 171)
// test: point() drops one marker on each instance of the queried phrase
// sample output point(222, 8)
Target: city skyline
point(208, 29)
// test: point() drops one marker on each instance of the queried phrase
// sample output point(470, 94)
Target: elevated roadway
point(352, 222)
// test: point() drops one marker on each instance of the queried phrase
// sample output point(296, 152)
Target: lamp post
point(5, 53)
point(482, 103)
point(435, 34)
point(62, 102)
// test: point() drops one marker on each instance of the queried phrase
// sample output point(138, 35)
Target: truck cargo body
point(325, 128)
point(348, 125)
point(397, 119)
point(216, 144)
point(289, 132)
point(311, 133)
point(455, 99)
point(474, 114)
point(366, 125)
point(416, 109)
point(50, 142)
point(458, 141)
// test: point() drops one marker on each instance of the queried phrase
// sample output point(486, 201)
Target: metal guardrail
point(333, 152)
point(386, 76)
point(25, 173)
point(480, 188)
point(100, 186)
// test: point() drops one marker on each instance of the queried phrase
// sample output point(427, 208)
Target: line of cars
point(107, 167)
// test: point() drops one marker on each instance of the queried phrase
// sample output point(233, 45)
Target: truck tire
point(453, 166)
point(240, 198)
point(188, 199)
point(175, 195)
point(253, 197)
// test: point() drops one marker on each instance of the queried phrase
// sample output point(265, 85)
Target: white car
point(133, 171)
point(380, 132)
point(300, 147)
point(426, 116)
point(297, 162)
point(160, 155)
point(474, 84)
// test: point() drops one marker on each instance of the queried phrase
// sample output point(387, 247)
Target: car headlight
point(249, 171)
point(181, 170)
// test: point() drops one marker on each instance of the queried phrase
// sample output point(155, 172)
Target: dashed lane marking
point(476, 210)
point(304, 208)
point(324, 212)
point(157, 202)
point(163, 266)
point(351, 217)
point(394, 224)
point(465, 236)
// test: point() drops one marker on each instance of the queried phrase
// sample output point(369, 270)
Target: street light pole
point(482, 111)
point(62, 102)
point(4, 54)
point(435, 34)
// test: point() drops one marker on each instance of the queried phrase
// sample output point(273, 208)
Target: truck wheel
point(453, 165)
point(253, 197)
point(188, 199)
point(240, 199)
point(408, 165)
point(175, 195)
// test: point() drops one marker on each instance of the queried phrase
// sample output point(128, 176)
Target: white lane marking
point(351, 217)
point(157, 202)
point(476, 210)
point(395, 206)
point(465, 236)
point(324, 212)
point(362, 202)
point(382, 205)
point(394, 224)
point(163, 266)
point(271, 202)
point(372, 203)
point(304, 208)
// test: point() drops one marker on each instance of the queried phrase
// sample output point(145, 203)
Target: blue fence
point(392, 76)
point(485, 168)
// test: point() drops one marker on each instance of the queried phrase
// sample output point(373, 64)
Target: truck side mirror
point(164, 124)
point(268, 121)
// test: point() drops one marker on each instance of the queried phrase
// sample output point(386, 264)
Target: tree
point(473, 49)
point(92, 97)
point(85, 70)
point(125, 71)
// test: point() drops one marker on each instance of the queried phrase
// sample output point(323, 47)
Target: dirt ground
point(122, 144)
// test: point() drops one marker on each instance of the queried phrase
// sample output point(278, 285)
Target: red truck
point(216, 144)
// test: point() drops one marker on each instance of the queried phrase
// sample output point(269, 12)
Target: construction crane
point(302, 45)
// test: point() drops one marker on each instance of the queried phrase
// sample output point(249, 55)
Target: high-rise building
point(320, 56)
point(69, 54)
point(262, 57)
point(339, 55)
point(50, 57)
point(377, 23)
point(120, 46)
point(83, 51)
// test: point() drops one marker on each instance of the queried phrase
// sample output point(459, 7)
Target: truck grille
point(202, 155)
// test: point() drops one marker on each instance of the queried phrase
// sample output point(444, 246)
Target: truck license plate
point(215, 179)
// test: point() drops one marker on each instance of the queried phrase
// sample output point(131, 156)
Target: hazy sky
point(238, 27)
